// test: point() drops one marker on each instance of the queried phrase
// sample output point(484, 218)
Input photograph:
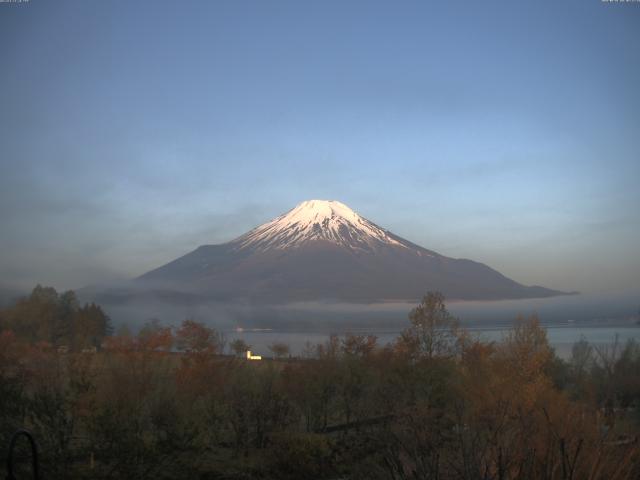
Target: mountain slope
point(323, 250)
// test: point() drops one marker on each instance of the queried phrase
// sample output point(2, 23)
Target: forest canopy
point(438, 403)
point(56, 318)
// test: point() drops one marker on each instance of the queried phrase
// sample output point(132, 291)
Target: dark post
point(34, 454)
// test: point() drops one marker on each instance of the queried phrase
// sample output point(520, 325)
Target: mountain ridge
point(323, 250)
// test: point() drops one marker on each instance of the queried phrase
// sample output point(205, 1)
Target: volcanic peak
point(317, 220)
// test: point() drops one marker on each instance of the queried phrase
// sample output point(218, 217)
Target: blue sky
point(505, 132)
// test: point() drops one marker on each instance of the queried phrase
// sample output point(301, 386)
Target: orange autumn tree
point(200, 345)
point(195, 337)
point(517, 424)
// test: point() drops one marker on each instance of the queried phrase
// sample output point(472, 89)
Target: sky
point(505, 132)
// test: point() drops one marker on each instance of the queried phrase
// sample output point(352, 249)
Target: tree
point(123, 331)
point(239, 346)
point(358, 345)
point(90, 326)
point(57, 319)
point(279, 349)
point(14, 377)
point(63, 331)
point(154, 337)
point(35, 318)
point(195, 337)
point(433, 331)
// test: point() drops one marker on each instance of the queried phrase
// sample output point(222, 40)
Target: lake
point(560, 337)
point(596, 317)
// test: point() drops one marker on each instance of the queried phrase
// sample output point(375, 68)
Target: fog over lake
point(596, 317)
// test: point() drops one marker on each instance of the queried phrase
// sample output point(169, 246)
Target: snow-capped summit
point(317, 220)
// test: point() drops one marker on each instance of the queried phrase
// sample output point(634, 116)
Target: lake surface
point(560, 337)
point(596, 317)
point(336, 316)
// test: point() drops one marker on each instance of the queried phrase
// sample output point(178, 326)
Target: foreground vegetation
point(437, 403)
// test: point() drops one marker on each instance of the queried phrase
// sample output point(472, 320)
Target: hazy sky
point(506, 132)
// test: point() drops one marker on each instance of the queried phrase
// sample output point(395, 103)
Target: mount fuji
point(323, 250)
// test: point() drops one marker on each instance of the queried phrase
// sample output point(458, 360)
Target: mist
point(597, 309)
